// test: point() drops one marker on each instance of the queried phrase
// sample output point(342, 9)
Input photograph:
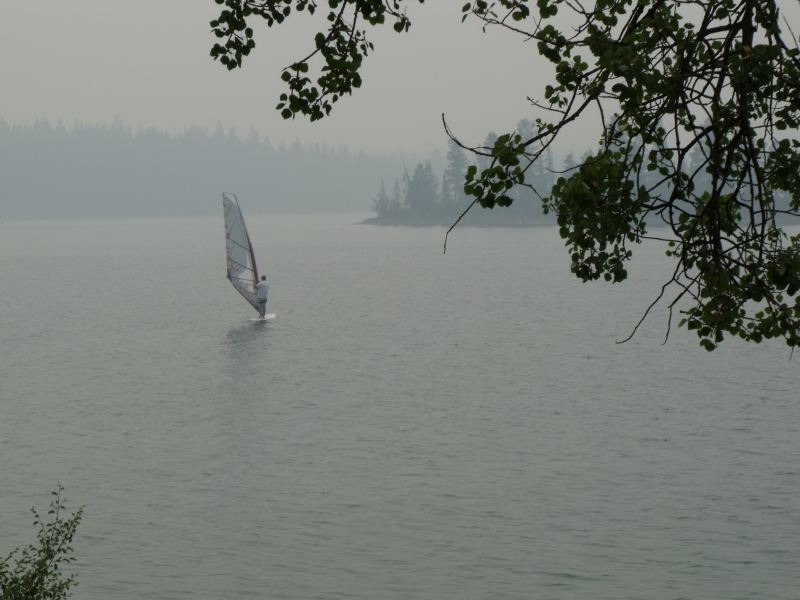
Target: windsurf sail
point(242, 269)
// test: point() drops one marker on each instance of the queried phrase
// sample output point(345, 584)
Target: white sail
point(242, 270)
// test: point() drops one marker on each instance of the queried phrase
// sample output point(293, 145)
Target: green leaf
point(707, 344)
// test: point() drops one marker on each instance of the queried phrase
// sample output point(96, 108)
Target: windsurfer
point(262, 290)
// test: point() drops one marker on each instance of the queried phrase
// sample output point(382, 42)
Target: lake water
point(412, 425)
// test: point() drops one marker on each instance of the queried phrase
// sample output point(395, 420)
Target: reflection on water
point(243, 336)
point(245, 346)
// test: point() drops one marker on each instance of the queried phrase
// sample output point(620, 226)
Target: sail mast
point(249, 243)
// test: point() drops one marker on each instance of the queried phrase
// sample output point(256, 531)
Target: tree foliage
point(698, 102)
point(34, 572)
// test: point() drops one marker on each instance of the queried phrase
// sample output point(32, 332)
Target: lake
point(412, 425)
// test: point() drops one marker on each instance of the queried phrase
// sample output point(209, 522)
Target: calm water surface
point(411, 426)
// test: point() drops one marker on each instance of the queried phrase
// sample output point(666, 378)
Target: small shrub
point(34, 572)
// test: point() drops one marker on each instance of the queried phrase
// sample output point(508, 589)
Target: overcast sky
point(147, 61)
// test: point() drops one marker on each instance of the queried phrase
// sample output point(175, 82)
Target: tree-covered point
point(422, 197)
point(705, 95)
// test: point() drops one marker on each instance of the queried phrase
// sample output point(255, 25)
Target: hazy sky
point(147, 61)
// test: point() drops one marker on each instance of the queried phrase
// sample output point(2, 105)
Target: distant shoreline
point(405, 222)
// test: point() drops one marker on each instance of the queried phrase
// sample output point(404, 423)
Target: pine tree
point(421, 194)
point(454, 198)
point(381, 202)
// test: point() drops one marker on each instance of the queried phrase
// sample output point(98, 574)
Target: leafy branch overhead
point(341, 48)
point(697, 105)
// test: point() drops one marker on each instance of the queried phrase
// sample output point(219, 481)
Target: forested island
point(424, 198)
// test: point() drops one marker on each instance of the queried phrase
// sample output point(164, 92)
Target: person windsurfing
point(262, 292)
